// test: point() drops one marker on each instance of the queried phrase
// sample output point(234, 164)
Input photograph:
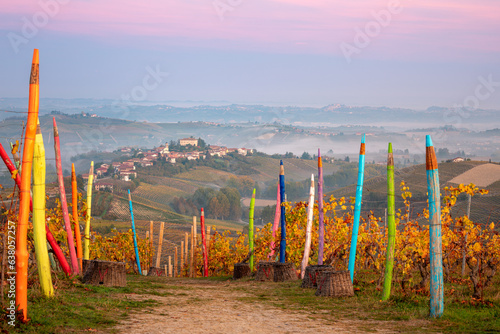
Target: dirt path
point(226, 307)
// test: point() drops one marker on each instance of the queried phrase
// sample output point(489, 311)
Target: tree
point(306, 156)
point(267, 214)
point(346, 159)
point(223, 204)
point(234, 198)
point(214, 208)
point(202, 197)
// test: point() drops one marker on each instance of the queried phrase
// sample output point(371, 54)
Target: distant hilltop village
point(185, 148)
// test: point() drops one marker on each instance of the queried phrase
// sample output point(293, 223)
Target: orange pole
point(74, 199)
point(24, 206)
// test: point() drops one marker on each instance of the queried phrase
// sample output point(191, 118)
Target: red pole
point(50, 238)
point(204, 240)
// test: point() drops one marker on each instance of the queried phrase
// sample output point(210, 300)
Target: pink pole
point(64, 203)
point(277, 215)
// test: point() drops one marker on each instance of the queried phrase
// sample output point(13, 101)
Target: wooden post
point(469, 199)
point(151, 236)
point(186, 245)
point(169, 266)
point(204, 243)
point(175, 262)
point(208, 238)
point(160, 242)
point(436, 256)
point(182, 259)
point(192, 252)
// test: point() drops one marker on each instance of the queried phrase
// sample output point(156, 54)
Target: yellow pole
point(41, 252)
point(86, 240)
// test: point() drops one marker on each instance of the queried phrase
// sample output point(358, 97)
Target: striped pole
point(250, 229)
point(321, 213)
point(283, 218)
point(86, 238)
point(391, 226)
point(39, 237)
point(357, 209)
point(310, 213)
point(64, 203)
point(133, 230)
point(21, 254)
point(436, 256)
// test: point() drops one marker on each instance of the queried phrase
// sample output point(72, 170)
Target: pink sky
point(447, 29)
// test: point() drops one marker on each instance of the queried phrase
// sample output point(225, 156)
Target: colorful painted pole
point(204, 243)
point(321, 218)
point(283, 218)
point(74, 201)
point(310, 214)
point(436, 256)
point(24, 205)
point(391, 226)
point(86, 238)
point(357, 209)
point(276, 222)
point(40, 240)
point(50, 238)
point(135, 237)
point(64, 203)
point(250, 229)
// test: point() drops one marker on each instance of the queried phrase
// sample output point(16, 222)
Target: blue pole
point(135, 238)
point(283, 218)
point(436, 257)
point(357, 209)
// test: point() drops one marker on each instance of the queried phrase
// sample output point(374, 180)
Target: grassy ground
point(78, 308)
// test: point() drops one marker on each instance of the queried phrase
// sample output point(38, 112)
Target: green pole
point(391, 226)
point(250, 229)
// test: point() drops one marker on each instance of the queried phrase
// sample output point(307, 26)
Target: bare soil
point(481, 176)
point(194, 306)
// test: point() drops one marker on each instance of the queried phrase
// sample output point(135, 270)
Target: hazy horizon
point(280, 52)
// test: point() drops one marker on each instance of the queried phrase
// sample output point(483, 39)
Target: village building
point(188, 141)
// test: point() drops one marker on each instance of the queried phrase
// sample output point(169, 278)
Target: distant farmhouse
point(188, 141)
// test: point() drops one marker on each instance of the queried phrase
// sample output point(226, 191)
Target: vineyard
point(464, 243)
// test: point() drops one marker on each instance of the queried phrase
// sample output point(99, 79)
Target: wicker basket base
point(334, 284)
point(311, 275)
point(265, 271)
point(241, 270)
point(284, 272)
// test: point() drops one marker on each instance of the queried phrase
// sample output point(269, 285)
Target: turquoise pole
point(436, 257)
point(357, 209)
point(135, 237)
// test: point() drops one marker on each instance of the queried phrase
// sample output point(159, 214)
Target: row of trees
point(222, 204)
